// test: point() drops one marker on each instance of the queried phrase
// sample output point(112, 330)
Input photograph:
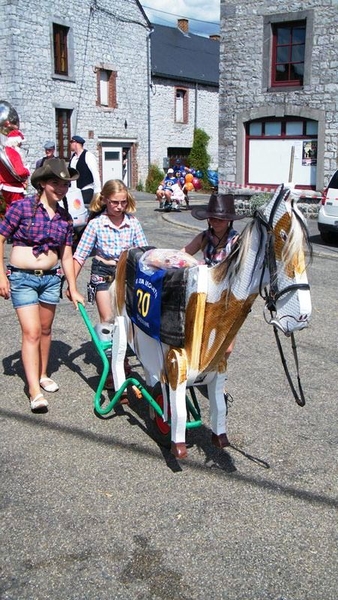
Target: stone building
point(184, 92)
point(278, 93)
point(80, 67)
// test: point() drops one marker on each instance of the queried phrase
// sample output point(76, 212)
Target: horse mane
point(296, 242)
point(298, 239)
point(233, 264)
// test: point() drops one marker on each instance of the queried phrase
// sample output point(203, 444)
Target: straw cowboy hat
point(54, 167)
point(220, 206)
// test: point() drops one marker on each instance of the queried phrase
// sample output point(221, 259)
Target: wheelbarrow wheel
point(162, 429)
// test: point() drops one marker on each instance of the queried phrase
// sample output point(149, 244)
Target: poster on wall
point(309, 156)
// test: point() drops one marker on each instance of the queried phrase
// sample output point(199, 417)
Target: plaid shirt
point(37, 230)
point(107, 240)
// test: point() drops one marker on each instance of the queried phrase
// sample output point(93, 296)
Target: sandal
point(39, 403)
point(48, 384)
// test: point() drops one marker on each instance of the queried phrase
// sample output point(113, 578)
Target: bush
point(139, 186)
point(199, 158)
point(258, 200)
point(154, 178)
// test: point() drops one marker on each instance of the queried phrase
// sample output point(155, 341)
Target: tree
point(199, 158)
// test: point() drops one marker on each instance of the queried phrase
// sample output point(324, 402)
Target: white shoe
point(48, 384)
point(39, 403)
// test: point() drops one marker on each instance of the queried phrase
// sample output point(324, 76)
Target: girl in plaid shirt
point(112, 228)
point(41, 231)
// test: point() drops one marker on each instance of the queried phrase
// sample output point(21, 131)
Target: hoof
point(220, 441)
point(179, 449)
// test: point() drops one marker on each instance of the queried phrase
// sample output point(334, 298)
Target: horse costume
point(179, 317)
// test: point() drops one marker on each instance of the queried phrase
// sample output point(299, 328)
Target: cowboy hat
point(54, 167)
point(220, 206)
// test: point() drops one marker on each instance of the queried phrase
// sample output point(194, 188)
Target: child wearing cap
point(165, 191)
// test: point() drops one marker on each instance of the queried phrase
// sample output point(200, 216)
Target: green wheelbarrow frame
point(193, 409)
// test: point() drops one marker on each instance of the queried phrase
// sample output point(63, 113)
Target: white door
point(111, 163)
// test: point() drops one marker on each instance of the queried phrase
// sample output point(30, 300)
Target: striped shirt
point(107, 240)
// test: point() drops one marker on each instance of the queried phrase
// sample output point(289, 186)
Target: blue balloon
point(199, 174)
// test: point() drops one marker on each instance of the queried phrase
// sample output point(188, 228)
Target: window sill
point(69, 78)
point(285, 88)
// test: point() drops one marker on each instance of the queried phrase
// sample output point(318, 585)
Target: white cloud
point(203, 16)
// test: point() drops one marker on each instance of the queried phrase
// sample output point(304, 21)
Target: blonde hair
point(111, 187)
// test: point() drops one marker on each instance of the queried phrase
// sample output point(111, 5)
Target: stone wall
point(107, 34)
point(166, 133)
point(244, 73)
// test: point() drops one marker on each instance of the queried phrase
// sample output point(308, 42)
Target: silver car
point(328, 212)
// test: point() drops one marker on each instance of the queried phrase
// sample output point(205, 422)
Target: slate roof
point(184, 57)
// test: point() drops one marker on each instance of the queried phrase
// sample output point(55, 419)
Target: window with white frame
point(106, 88)
point(181, 105)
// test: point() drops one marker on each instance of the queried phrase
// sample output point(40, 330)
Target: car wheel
point(327, 237)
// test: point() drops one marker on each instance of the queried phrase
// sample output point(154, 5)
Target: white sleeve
point(92, 164)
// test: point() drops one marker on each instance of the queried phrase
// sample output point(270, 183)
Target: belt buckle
point(38, 272)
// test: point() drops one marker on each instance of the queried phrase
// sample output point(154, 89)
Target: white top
point(92, 165)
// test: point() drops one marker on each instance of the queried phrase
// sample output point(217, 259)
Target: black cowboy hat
point(54, 167)
point(220, 206)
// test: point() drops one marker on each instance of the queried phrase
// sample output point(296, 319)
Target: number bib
point(147, 297)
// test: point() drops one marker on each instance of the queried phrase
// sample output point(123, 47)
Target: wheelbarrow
point(154, 398)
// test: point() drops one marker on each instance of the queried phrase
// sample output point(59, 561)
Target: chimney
point(215, 36)
point(183, 25)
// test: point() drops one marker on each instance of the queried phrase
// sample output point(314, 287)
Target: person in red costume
point(13, 173)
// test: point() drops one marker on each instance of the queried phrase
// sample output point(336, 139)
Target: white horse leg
point(218, 409)
point(119, 349)
point(178, 420)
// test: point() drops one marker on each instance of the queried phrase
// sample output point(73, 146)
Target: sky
point(203, 15)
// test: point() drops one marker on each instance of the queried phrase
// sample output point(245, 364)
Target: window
point(287, 127)
point(106, 88)
point(60, 43)
point(181, 105)
point(288, 54)
point(281, 149)
point(287, 50)
point(63, 131)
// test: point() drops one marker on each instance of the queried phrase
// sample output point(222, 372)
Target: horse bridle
point(273, 294)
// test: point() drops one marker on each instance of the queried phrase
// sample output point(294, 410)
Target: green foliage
point(258, 200)
point(140, 187)
point(154, 178)
point(199, 158)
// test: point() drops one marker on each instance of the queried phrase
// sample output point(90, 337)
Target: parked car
point(328, 212)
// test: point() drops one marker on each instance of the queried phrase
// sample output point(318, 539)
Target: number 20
point(143, 302)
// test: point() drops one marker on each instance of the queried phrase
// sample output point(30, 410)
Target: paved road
point(93, 508)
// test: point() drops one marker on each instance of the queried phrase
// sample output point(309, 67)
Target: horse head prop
point(179, 317)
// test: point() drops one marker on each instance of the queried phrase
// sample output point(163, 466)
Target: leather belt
point(111, 264)
point(37, 272)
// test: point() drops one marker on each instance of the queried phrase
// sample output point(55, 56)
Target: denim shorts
point(99, 271)
point(28, 289)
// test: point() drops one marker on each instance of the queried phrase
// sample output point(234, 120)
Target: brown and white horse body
point(218, 300)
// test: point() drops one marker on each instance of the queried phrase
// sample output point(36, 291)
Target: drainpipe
point(195, 117)
point(149, 88)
